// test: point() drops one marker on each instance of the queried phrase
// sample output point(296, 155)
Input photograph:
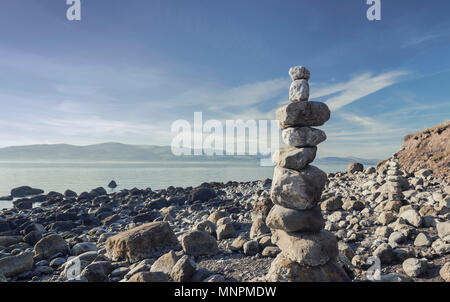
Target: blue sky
point(129, 69)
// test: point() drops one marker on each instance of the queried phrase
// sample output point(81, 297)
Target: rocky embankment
point(217, 232)
point(428, 149)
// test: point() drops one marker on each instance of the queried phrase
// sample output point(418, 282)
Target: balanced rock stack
point(393, 180)
point(308, 253)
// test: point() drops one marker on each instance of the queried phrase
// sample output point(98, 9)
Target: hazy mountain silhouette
point(124, 152)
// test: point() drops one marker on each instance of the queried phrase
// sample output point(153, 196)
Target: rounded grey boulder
point(299, 73)
point(303, 137)
point(355, 167)
point(294, 158)
point(300, 190)
point(299, 91)
point(292, 220)
point(197, 243)
point(307, 248)
point(414, 267)
point(284, 269)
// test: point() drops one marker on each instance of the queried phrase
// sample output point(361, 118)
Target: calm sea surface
point(81, 177)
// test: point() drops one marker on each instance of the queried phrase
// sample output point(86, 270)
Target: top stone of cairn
point(299, 73)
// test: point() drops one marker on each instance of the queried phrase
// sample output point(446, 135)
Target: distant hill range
point(123, 152)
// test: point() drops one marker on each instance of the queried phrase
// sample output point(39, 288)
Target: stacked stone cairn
point(393, 180)
point(308, 252)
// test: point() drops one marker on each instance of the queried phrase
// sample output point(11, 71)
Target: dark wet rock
point(23, 204)
point(70, 193)
point(15, 265)
point(4, 226)
point(39, 198)
point(111, 219)
point(6, 241)
point(50, 246)
point(98, 192)
point(202, 194)
point(97, 271)
point(158, 203)
point(66, 216)
point(112, 184)
point(85, 196)
point(33, 237)
point(89, 220)
point(25, 191)
point(62, 226)
point(146, 217)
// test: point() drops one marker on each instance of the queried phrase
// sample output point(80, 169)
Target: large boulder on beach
point(355, 167)
point(303, 137)
point(300, 114)
point(411, 217)
point(258, 228)
point(216, 215)
point(307, 248)
point(199, 243)
point(142, 242)
point(14, 265)
point(50, 246)
point(83, 247)
point(6, 241)
point(202, 194)
point(97, 271)
point(300, 190)
point(165, 263)
point(261, 208)
point(183, 270)
point(25, 191)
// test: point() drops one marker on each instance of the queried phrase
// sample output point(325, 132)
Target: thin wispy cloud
point(419, 40)
point(254, 93)
point(345, 93)
point(217, 98)
point(364, 121)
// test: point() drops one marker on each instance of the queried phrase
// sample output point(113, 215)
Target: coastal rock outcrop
point(427, 150)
